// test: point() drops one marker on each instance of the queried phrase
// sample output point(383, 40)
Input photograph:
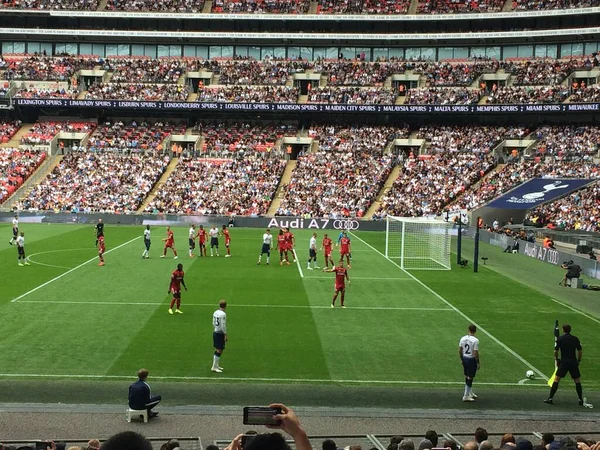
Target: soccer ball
point(530, 374)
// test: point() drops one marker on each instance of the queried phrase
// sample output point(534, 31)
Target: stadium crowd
point(187, 6)
point(444, 73)
point(45, 68)
point(442, 96)
point(51, 4)
point(42, 132)
point(476, 139)
point(356, 72)
point(8, 128)
point(251, 94)
point(244, 185)
point(363, 7)
point(249, 71)
point(519, 5)
point(529, 95)
point(137, 91)
point(572, 142)
point(261, 6)
point(586, 94)
point(145, 70)
point(464, 6)
point(352, 95)
point(15, 167)
point(544, 71)
point(35, 92)
point(97, 182)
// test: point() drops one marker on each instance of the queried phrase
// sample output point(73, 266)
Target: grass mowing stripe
point(259, 379)
point(69, 271)
point(298, 263)
point(383, 308)
point(458, 311)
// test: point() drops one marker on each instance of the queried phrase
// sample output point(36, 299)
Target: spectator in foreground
point(140, 395)
point(127, 440)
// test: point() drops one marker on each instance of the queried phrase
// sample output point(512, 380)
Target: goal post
point(418, 243)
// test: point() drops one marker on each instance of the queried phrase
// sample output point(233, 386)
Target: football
point(530, 374)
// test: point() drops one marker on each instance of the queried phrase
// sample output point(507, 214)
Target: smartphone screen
point(261, 415)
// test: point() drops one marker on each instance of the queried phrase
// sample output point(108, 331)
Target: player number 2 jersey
point(469, 345)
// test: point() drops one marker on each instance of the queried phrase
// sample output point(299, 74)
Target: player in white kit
point(219, 335)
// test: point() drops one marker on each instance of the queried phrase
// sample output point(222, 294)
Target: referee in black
point(99, 230)
point(570, 357)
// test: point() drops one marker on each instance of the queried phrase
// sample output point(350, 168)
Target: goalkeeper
point(343, 234)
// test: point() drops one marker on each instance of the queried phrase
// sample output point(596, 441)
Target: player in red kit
point(101, 249)
point(282, 247)
point(291, 242)
point(227, 237)
point(175, 288)
point(341, 275)
point(202, 241)
point(169, 243)
point(345, 248)
point(326, 246)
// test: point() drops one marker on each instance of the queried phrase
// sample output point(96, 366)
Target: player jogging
point(169, 243)
point(201, 241)
point(326, 246)
point(225, 233)
point(291, 243)
point(175, 288)
point(312, 252)
point(192, 240)
point(570, 358)
point(468, 351)
point(267, 243)
point(145, 254)
point(345, 250)
point(219, 335)
point(99, 229)
point(214, 240)
point(15, 230)
point(101, 249)
point(21, 259)
point(282, 247)
point(341, 275)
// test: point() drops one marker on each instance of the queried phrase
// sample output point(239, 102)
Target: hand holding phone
point(261, 415)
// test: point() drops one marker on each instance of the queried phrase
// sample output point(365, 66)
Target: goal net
point(418, 243)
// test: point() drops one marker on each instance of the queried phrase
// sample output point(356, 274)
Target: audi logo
point(346, 224)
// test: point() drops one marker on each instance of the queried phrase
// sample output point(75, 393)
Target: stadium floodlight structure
point(418, 243)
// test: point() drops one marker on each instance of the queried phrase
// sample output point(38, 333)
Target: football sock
point(579, 390)
point(334, 299)
point(466, 394)
point(216, 360)
point(268, 260)
point(553, 389)
point(342, 299)
point(469, 382)
point(172, 303)
point(175, 252)
point(178, 303)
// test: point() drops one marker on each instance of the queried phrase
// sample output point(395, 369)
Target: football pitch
point(65, 318)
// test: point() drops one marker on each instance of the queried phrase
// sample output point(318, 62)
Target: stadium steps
point(483, 100)
point(165, 176)
point(39, 175)
point(400, 100)
point(102, 5)
point(81, 95)
point(414, 5)
point(15, 141)
point(207, 7)
point(303, 99)
point(386, 187)
point(312, 9)
point(283, 182)
point(508, 6)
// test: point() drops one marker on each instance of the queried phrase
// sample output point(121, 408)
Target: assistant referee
point(570, 358)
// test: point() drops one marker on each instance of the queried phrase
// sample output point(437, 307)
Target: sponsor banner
point(306, 107)
point(537, 191)
point(536, 251)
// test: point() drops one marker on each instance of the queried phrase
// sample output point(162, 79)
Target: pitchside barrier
point(588, 266)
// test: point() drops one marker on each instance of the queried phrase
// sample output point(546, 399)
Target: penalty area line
point(257, 379)
point(458, 311)
point(16, 299)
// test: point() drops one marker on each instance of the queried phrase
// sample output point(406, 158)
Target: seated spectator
point(145, 70)
point(271, 71)
point(352, 95)
point(543, 71)
point(34, 92)
point(249, 94)
point(45, 68)
point(183, 6)
point(43, 132)
point(451, 7)
point(572, 142)
point(590, 94)
point(529, 95)
point(363, 7)
point(442, 96)
point(16, 166)
point(266, 7)
point(138, 92)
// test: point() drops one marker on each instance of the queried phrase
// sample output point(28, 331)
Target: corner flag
point(556, 334)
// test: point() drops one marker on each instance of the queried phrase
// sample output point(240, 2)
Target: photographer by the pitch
point(573, 271)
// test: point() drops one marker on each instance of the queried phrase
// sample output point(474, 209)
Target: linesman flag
point(556, 334)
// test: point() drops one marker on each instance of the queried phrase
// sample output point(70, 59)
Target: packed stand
point(261, 6)
point(36, 92)
point(363, 7)
point(444, 73)
point(459, 7)
point(79, 5)
point(145, 70)
point(356, 72)
point(545, 71)
point(443, 96)
point(589, 94)
point(44, 68)
point(183, 6)
point(511, 175)
point(15, 167)
point(250, 71)
point(579, 210)
point(42, 133)
point(137, 92)
point(528, 95)
point(8, 128)
point(343, 178)
point(223, 139)
point(568, 142)
point(521, 5)
point(244, 185)
point(97, 182)
point(251, 94)
point(133, 137)
point(457, 157)
point(352, 95)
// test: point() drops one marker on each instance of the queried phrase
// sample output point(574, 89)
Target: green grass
point(400, 329)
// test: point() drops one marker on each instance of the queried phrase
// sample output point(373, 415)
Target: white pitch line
point(298, 263)
point(458, 311)
point(29, 258)
point(68, 272)
point(282, 380)
point(370, 308)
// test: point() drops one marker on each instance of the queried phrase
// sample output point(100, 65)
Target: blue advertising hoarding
point(537, 191)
